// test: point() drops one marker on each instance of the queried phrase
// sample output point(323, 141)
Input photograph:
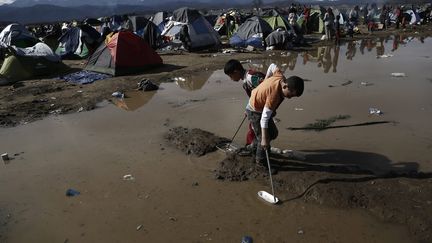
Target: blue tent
point(251, 33)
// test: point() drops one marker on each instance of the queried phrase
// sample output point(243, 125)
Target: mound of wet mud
point(194, 141)
point(397, 198)
point(237, 168)
point(393, 197)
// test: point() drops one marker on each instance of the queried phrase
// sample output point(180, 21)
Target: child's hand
point(265, 144)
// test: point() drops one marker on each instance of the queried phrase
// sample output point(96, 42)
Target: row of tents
point(129, 44)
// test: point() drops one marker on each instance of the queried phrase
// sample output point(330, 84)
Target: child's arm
point(273, 68)
point(265, 117)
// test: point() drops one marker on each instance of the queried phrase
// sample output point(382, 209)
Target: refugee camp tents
point(31, 62)
point(315, 23)
point(413, 18)
point(275, 20)
point(227, 23)
point(146, 29)
point(78, 42)
point(279, 39)
point(160, 19)
point(201, 33)
point(123, 53)
point(17, 35)
point(252, 32)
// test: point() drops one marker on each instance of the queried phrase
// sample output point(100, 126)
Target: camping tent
point(315, 23)
point(252, 32)
point(159, 19)
point(275, 20)
point(413, 18)
point(201, 33)
point(26, 63)
point(123, 53)
point(78, 42)
point(146, 29)
point(17, 35)
point(280, 39)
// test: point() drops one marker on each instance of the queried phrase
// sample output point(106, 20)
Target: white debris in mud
point(384, 56)
point(375, 111)
point(80, 109)
point(128, 177)
point(298, 109)
point(398, 75)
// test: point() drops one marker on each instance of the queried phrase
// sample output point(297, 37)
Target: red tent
point(123, 53)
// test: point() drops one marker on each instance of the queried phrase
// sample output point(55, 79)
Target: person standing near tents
point(251, 79)
point(185, 38)
point(329, 23)
point(354, 15)
point(262, 106)
point(306, 14)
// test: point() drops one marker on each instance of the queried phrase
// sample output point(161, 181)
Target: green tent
point(316, 23)
point(277, 21)
point(27, 63)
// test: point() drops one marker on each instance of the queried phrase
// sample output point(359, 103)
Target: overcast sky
point(5, 1)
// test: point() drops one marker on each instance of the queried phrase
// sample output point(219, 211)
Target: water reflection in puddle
point(329, 57)
point(364, 60)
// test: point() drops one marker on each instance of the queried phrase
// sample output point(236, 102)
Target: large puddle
point(174, 197)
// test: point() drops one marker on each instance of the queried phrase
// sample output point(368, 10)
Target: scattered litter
point(147, 85)
point(118, 94)
point(80, 109)
point(375, 111)
point(195, 184)
point(384, 56)
point(53, 98)
point(250, 48)
point(366, 83)
point(247, 239)
point(276, 120)
point(72, 192)
point(398, 75)
point(5, 157)
point(284, 64)
point(181, 79)
point(79, 91)
point(84, 77)
point(275, 150)
point(55, 112)
point(128, 177)
point(347, 83)
point(286, 151)
point(229, 51)
point(52, 105)
point(173, 219)
point(300, 232)
point(139, 227)
point(298, 109)
point(246, 61)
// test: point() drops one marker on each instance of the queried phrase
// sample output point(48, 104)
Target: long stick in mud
point(232, 139)
point(270, 174)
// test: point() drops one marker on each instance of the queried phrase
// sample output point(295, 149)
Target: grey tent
point(28, 63)
point(160, 19)
point(201, 34)
point(280, 39)
point(17, 35)
point(146, 29)
point(252, 32)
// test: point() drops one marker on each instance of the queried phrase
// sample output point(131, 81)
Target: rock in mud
point(194, 141)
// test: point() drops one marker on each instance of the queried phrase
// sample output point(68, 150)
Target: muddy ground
point(400, 197)
point(394, 197)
